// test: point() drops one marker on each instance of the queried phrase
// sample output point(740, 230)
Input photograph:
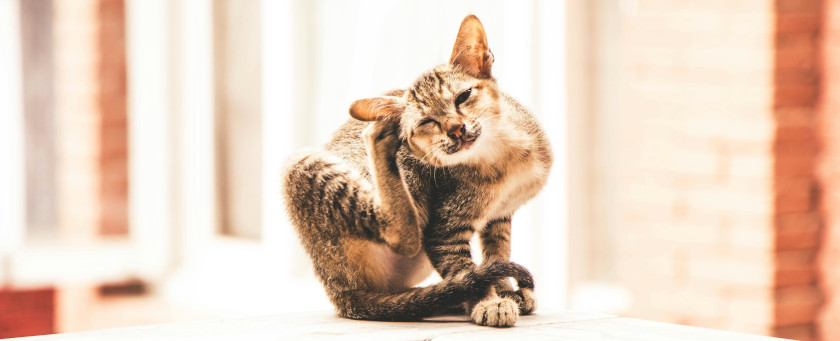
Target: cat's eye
point(463, 97)
point(425, 121)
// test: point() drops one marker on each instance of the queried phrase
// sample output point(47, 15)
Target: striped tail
point(416, 303)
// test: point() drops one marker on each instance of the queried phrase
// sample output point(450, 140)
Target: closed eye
point(426, 120)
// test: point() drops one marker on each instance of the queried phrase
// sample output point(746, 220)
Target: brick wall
point(26, 312)
point(717, 200)
point(829, 171)
point(89, 84)
point(797, 224)
point(694, 241)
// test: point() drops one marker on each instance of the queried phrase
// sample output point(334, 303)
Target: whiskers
point(433, 156)
point(435, 161)
point(481, 119)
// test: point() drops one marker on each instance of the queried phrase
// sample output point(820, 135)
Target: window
point(218, 93)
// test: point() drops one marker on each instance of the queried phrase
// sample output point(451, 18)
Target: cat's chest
point(477, 202)
point(519, 186)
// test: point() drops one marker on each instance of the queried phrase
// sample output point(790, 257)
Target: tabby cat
point(403, 186)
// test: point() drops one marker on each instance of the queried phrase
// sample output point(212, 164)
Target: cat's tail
point(416, 303)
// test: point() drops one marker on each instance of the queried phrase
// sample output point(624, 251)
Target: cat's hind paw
point(496, 312)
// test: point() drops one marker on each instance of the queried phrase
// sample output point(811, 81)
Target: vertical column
point(795, 149)
point(150, 44)
point(829, 171)
point(90, 111)
point(78, 118)
point(23, 311)
point(113, 148)
point(91, 133)
point(37, 44)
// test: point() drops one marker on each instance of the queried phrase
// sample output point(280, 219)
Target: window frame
point(145, 253)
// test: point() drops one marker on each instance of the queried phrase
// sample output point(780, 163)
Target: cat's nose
point(456, 131)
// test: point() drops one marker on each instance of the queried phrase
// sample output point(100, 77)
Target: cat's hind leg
point(332, 206)
point(327, 198)
point(322, 188)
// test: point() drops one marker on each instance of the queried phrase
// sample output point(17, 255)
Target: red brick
point(804, 332)
point(795, 74)
point(794, 96)
point(797, 231)
point(797, 305)
point(794, 167)
point(788, 41)
point(795, 195)
point(798, 6)
point(796, 58)
point(788, 134)
point(26, 312)
point(795, 117)
point(114, 142)
point(790, 277)
point(797, 22)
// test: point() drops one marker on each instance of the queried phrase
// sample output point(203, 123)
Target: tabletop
point(326, 326)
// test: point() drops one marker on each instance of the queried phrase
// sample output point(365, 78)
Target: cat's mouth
point(458, 146)
point(464, 142)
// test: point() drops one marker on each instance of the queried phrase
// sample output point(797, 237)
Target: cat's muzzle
point(463, 141)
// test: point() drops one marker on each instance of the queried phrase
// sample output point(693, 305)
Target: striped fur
point(388, 201)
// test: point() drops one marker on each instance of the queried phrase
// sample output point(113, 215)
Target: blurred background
point(697, 152)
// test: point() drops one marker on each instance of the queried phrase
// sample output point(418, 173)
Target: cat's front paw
point(382, 137)
point(495, 312)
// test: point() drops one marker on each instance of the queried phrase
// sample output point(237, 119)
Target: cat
point(404, 184)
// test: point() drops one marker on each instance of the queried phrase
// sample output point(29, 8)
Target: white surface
point(325, 325)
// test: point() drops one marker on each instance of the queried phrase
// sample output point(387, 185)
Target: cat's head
point(451, 114)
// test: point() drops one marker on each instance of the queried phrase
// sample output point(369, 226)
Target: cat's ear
point(471, 51)
point(371, 109)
